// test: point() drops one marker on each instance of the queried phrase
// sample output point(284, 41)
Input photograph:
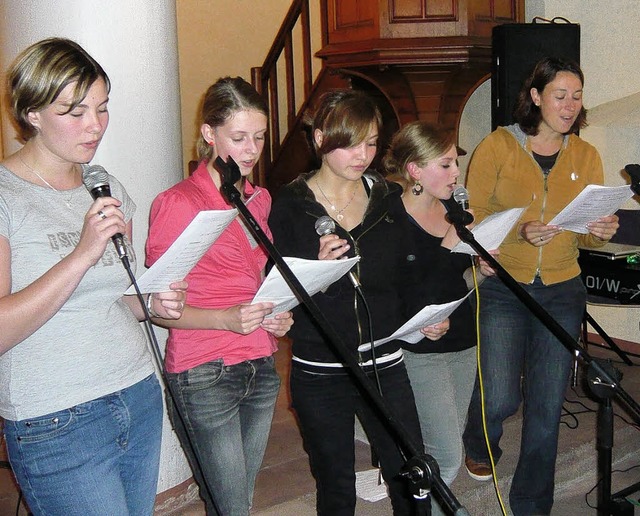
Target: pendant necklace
point(339, 216)
point(66, 201)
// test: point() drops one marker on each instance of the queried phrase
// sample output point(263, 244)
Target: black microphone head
point(325, 225)
point(461, 196)
point(229, 170)
point(96, 179)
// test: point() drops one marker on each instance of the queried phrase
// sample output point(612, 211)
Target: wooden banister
point(265, 80)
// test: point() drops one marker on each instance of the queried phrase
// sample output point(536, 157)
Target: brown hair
point(344, 117)
point(526, 113)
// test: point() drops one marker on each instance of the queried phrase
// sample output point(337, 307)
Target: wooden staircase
point(420, 59)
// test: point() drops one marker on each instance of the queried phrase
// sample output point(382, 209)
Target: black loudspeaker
point(516, 48)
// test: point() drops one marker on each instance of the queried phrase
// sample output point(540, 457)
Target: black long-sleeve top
point(387, 268)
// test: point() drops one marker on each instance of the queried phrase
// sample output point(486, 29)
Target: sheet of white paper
point(593, 202)
point(185, 252)
point(314, 275)
point(491, 231)
point(410, 331)
point(370, 486)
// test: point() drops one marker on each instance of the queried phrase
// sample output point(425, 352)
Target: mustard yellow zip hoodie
point(503, 174)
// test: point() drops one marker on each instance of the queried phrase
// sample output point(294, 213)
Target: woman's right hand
point(332, 247)
point(103, 220)
point(537, 233)
point(245, 319)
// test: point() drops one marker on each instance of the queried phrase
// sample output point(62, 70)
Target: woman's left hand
point(483, 265)
point(435, 331)
point(604, 228)
point(170, 304)
point(278, 325)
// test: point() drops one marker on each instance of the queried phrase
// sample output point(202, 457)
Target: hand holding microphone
point(96, 180)
point(325, 225)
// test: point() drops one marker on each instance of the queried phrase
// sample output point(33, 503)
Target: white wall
point(136, 43)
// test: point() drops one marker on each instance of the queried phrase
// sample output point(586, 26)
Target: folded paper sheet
point(186, 251)
point(314, 275)
point(592, 203)
point(491, 231)
point(410, 331)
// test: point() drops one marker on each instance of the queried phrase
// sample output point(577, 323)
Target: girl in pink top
point(219, 356)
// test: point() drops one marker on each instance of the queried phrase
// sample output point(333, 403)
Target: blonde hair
point(418, 142)
point(223, 99)
point(42, 71)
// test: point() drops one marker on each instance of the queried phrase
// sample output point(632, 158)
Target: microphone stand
point(179, 416)
point(604, 382)
point(421, 470)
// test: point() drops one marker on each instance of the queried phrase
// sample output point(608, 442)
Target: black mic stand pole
point(421, 469)
point(601, 377)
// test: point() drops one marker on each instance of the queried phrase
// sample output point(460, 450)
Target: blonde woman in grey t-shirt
point(82, 407)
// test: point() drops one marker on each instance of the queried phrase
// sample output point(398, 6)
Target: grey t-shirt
point(93, 345)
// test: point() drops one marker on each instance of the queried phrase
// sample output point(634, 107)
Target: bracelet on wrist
point(150, 309)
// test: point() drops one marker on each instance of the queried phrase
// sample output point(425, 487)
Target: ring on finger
point(101, 214)
point(541, 239)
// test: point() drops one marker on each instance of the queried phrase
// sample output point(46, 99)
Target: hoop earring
point(417, 188)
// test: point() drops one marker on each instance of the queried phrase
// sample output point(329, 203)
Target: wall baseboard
point(183, 494)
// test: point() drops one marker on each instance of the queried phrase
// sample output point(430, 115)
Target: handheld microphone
point(325, 225)
point(461, 196)
point(96, 179)
point(456, 207)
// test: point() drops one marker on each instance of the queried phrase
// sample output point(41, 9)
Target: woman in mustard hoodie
point(539, 162)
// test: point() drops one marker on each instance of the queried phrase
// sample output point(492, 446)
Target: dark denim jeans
point(99, 457)
point(326, 406)
point(227, 411)
point(522, 360)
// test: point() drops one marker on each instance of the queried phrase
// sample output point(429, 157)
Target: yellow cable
point(494, 475)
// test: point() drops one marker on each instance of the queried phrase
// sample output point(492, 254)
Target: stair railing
point(266, 81)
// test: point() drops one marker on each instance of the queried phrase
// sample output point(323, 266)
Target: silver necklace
point(339, 215)
point(66, 201)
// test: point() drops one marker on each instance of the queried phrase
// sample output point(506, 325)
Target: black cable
point(586, 496)
point(374, 359)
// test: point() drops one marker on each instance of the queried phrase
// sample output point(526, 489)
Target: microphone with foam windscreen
point(456, 207)
point(96, 179)
point(325, 225)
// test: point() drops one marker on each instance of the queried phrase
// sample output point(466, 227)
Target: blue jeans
point(326, 405)
point(227, 412)
point(98, 458)
point(521, 359)
point(442, 384)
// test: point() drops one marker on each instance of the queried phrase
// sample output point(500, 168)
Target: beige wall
point(228, 37)
point(218, 38)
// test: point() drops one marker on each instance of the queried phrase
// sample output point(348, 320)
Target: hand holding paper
point(314, 275)
point(592, 203)
point(410, 331)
